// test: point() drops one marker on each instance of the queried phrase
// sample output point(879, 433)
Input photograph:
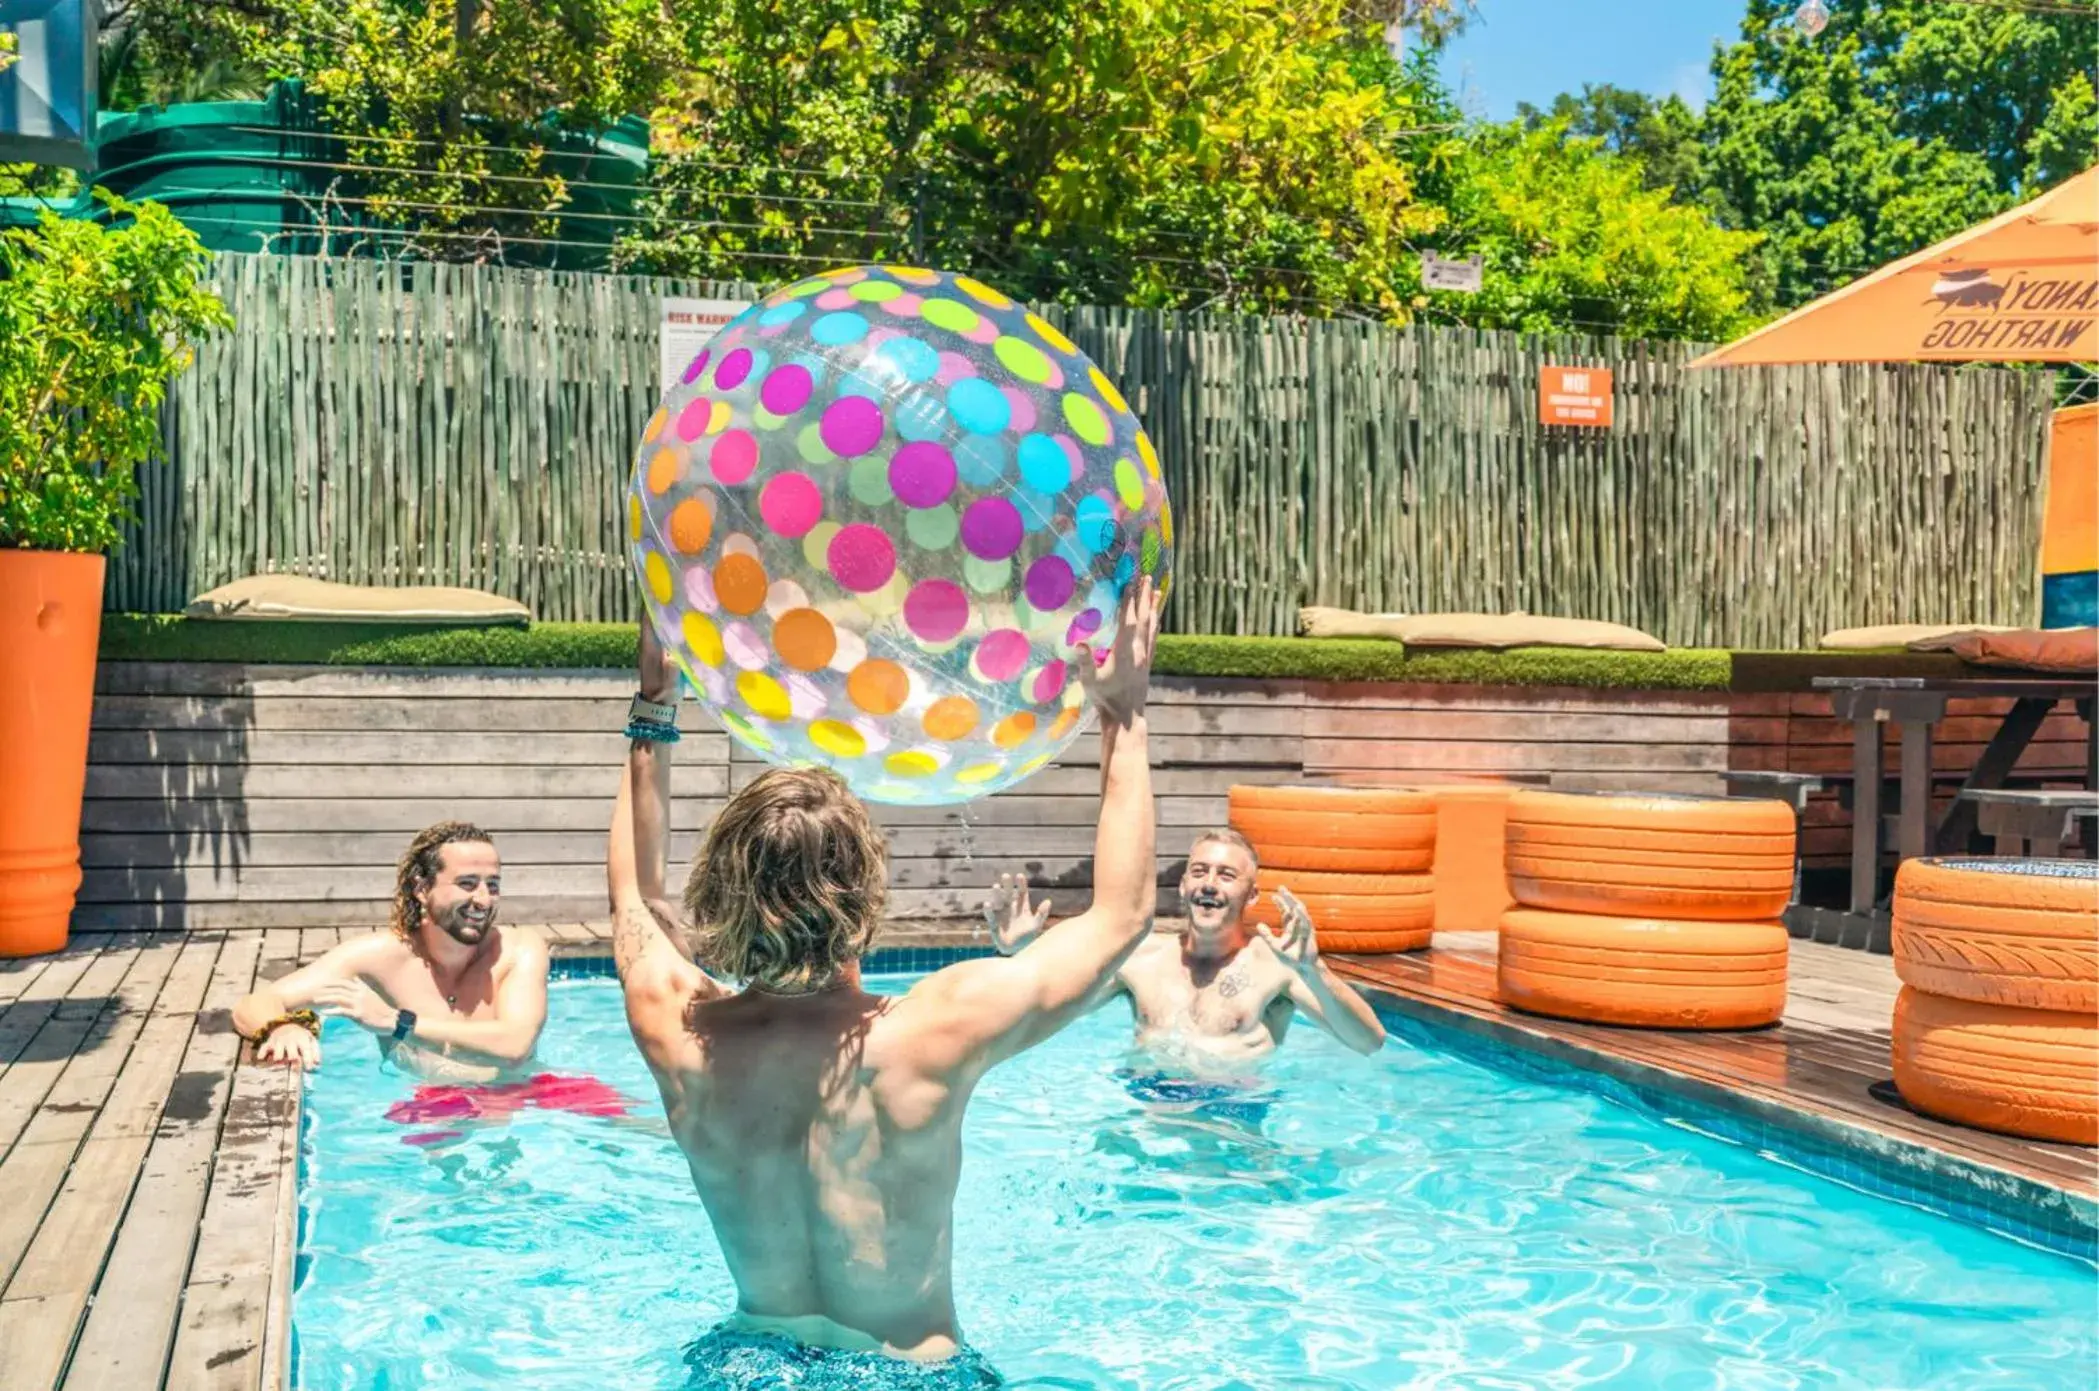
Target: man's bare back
point(822, 1124)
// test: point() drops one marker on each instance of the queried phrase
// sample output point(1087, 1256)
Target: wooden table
point(1915, 704)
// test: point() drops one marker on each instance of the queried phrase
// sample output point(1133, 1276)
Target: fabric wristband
point(652, 712)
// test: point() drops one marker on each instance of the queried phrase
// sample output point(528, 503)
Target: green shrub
point(94, 323)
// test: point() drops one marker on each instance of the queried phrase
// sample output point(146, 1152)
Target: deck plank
point(44, 1301)
point(125, 1342)
point(1823, 1059)
point(224, 1340)
point(26, 1016)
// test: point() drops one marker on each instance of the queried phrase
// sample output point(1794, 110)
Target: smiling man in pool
point(449, 994)
point(1220, 990)
point(823, 1124)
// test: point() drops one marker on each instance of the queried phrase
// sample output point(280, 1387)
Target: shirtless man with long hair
point(822, 1123)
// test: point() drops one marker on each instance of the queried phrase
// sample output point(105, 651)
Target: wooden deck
point(147, 1203)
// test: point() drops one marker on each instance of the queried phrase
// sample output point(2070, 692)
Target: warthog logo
point(1966, 289)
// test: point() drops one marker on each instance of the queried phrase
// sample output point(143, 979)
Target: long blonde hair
point(418, 871)
point(791, 881)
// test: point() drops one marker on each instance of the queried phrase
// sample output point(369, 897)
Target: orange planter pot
point(50, 620)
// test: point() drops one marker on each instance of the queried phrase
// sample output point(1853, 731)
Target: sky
point(1532, 50)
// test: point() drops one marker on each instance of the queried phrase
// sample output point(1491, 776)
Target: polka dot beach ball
point(878, 517)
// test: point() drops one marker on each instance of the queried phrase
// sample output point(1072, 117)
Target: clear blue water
point(1414, 1220)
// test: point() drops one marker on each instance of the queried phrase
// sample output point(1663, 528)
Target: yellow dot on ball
point(656, 423)
point(979, 291)
point(1166, 524)
point(658, 572)
point(979, 772)
point(634, 517)
point(1129, 485)
point(1107, 389)
point(837, 738)
point(702, 638)
point(718, 417)
point(1048, 334)
point(1147, 453)
point(766, 697)
point(816, 546)
point(912, 763)
point(1034, 764)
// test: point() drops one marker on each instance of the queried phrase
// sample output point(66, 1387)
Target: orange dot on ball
point(878, 687)
point(666, 467)
point(805, 639)
point(951, 718)
point(1013, 729)
point(692, 522)
point(739, 582)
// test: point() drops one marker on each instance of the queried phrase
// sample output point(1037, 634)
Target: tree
point(1147, 151)
point(1902, 123)
point(1574, 239)
point(1662, 134)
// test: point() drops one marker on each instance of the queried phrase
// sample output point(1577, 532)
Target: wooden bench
point(2034, 822)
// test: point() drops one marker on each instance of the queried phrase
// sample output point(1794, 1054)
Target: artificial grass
point(172, 638)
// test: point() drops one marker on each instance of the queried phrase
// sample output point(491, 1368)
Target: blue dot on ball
point(981, 407)
point(837, 330)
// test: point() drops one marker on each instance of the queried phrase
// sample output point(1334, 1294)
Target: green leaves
point(94, 323)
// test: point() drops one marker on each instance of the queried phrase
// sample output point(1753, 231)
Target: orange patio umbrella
point(2022, 287)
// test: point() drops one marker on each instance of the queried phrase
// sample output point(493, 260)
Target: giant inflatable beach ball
point(877, 519)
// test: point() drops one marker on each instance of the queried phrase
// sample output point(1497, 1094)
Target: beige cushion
point(1918, 637)
point(1477, 630)
point(298, 596)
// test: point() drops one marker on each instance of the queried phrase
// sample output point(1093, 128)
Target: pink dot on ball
point(695, 367)
point(852, 425)
point(735, 367)
point(953, 368)
point(791, 504)
point(861, 557)
point(1024, 415)
point(983, 331)
point(1002, 654)
point(733, 457)
point(904, 306)
point(834, 299)
point(786, 389)
point(1084, 626)
point(1049, 681)
point(692, 421)
point(936, 610)
point(991, 528)
point(1050, 583)
point(922, 474)
point(699, 589)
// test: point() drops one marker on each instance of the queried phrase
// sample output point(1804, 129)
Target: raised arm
point(658, 979)
point(993, 1008)
point(1320, 995)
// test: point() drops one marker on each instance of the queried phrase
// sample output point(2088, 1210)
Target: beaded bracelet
point(653, 732)
point(305, 1018)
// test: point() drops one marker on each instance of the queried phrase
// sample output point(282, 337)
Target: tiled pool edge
point(1872, 1161)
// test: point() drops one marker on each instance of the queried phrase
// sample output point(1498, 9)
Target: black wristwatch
point(404, 1024)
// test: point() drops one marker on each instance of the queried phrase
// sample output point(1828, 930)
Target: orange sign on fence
point(1575, 396)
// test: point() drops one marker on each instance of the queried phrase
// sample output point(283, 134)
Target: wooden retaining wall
point(223, 795)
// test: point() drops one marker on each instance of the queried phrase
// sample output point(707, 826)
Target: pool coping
point(1894, 1167)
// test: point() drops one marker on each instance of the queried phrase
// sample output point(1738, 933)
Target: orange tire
point(1352, 801)
point(1395, 913)
point(1654, 973)
point(2029, 1072)
point(1338, 829)
point(2000, 932)
point(1701, 858)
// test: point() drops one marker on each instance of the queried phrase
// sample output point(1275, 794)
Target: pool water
point(1411, 1220)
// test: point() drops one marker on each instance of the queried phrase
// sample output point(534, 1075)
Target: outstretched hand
point(1013, 921)
point(657, 674)
point(356, 1001)
point(1119, 682)
point(1295, 942)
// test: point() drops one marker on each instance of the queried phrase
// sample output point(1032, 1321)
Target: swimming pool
point(1416, 1219)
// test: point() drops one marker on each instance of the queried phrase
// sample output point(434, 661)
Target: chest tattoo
point(1231, 983)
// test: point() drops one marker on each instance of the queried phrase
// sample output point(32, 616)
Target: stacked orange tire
point(1997, 1025)
point(1651, 911)
point(1359, 859)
